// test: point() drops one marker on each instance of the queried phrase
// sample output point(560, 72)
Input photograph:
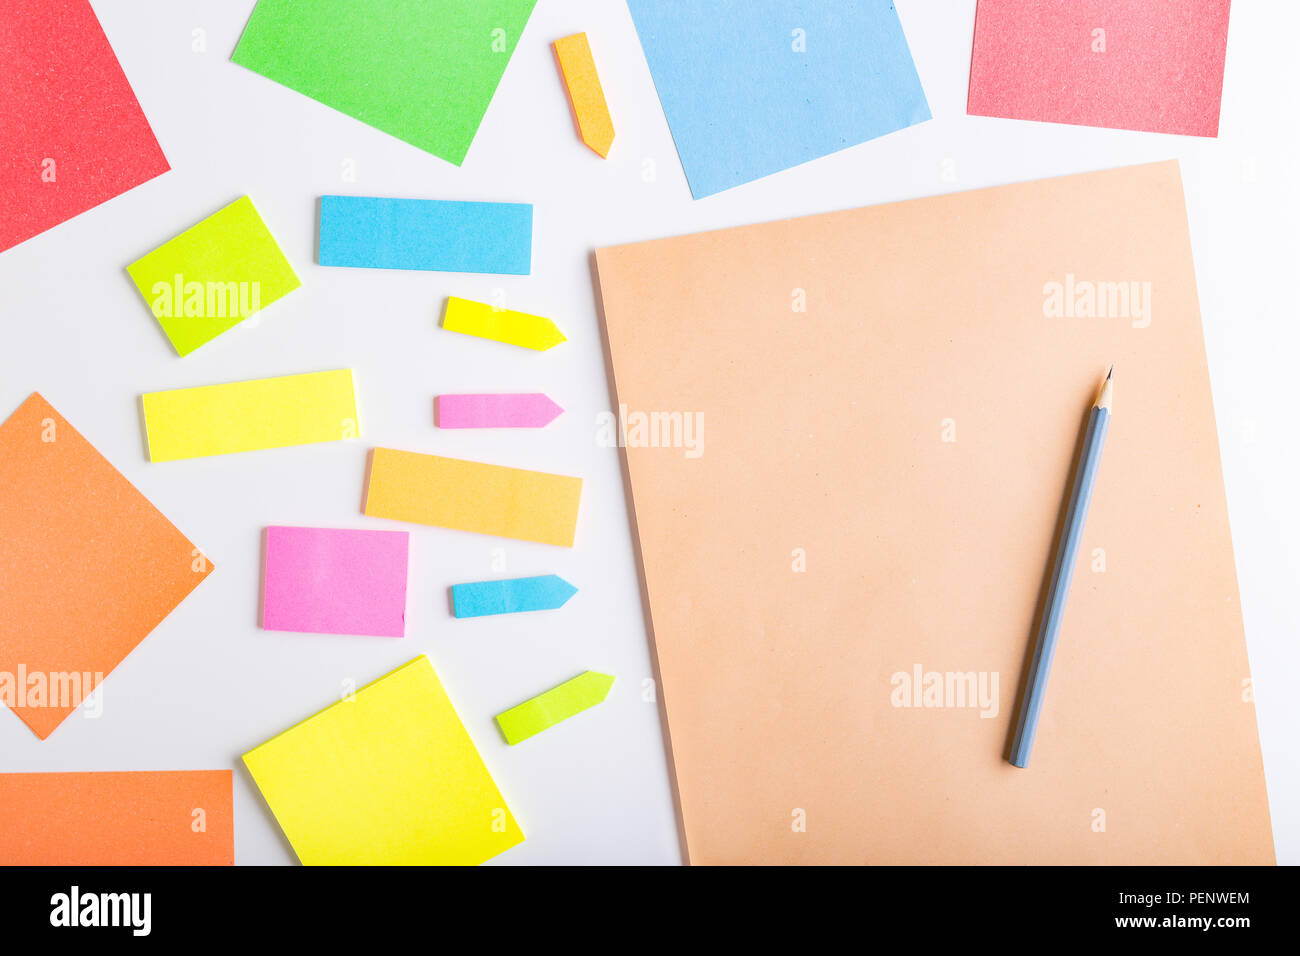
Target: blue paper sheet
point(426, 234)
point(752, 87)
point(507, 597)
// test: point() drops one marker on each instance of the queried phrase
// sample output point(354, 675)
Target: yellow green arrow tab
point(559, 703)
point(515, 328)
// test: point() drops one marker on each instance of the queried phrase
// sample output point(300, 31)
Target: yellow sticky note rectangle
point(247, 416)
point(472, 496)
point(388, 777)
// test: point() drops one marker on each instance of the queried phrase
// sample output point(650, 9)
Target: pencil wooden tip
point(1105, 391)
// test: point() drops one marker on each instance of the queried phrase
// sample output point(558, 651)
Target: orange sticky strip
point(472, 496)
point(163, 818)
point(89, 567)
point(590, 111)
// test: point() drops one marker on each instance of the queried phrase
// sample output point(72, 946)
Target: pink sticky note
point(1153, 65)
point(527, 410)
point(335, 581)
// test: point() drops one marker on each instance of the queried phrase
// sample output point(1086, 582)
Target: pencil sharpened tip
point(1105, 390)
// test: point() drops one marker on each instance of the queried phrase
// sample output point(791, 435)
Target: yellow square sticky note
point(213, 276)
point(473, 496)
point(389, 777)
point(247, 416)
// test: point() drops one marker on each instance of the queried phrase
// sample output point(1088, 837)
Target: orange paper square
point(89, 567)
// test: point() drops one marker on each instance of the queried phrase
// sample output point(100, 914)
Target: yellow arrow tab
point(586, 96)
point(515, 328)
point(559, 703)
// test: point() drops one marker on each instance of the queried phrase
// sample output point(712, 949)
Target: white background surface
point(209, 684)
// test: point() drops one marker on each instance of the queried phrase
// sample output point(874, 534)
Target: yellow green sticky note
point(487, 322)
point(473, 496)
point(386, 777)
point(248, 416)
point(559, 703)
point(213, 276)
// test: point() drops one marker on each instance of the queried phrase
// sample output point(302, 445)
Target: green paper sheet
point(559, 703)
point(213, 276)
point(421, 70)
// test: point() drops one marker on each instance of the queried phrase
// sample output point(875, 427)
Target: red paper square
point(66, 103)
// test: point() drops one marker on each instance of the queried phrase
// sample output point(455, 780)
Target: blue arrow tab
point(510, 596)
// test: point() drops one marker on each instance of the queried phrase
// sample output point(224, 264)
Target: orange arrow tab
point(586, 96)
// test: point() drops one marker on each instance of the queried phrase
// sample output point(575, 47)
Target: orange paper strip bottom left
point(136, 818)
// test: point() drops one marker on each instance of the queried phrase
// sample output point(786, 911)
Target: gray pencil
point(1062, 571)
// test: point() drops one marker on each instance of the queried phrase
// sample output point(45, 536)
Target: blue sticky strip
point(751, 88)
point(508, 597)
point(427, 234)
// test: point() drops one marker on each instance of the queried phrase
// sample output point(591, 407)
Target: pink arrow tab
point(492, 410)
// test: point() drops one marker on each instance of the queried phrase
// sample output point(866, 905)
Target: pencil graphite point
point(1105, 390)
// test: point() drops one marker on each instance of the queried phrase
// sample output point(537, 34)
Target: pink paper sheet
point(1153, 65)
point(335, 581)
